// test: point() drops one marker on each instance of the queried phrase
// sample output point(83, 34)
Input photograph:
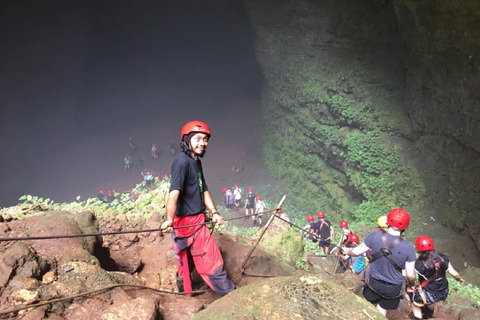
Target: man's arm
point(171, 209)
point(410, 273)
point(207, 199)
point(358, 250)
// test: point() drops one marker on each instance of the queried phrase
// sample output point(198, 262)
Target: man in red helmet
point(385, 285)
point(260, 207)
point(187, 201)
point(237, 195)
point(324, 230)
point(250, 203)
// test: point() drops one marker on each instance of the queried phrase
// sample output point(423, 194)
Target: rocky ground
point(269, 287)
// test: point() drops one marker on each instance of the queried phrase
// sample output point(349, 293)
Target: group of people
point(153, 152)
point(106, 198)
point(393, 265)
point(392, 260)
point(254, 206)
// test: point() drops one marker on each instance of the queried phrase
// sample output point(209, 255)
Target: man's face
point(198, 143)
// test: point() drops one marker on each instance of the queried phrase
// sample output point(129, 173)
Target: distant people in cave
point(153, 151)
point(126, 160)
point(130, 142)
point(110, 196)
point(101, 196)
point(171, 147)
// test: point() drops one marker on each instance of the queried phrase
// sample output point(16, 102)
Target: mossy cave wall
point(370, 105)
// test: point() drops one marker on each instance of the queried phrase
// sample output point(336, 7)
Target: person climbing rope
point(431, 268)
point(237, 195)
point(385, 284)
point(325, 232)
point(187, 200)
point(250, 203)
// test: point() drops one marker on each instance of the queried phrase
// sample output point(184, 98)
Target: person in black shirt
point(431, 268)
point(188, 198)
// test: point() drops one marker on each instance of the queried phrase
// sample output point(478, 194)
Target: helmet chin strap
point(188, 151)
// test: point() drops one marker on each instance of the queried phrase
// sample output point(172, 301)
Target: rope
point(39, 304)
point(119, 232)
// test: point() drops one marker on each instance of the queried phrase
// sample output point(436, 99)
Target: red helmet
point(154, 144)
point(235, 185)
point(398, 218)
point(353, 238)
point(144, 169)
point(126, 155)
point(424, 243)
point(343, 224)
point(280, 211)
point(100, 191)
point(321, 214)
point(224, 190)
point(195, 126)
point(310, 218)
point(171, 141)
point(109, 191)
point(249, 190)
point(258, 198)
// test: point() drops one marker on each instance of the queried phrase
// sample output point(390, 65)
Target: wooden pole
point(242, 268)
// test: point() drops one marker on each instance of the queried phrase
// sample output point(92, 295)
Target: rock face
point(298, 297)
point(373, 105)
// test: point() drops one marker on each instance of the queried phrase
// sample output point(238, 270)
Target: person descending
point(431, 268)
point(346, 232)
point(153, 151)
point(382, 223)
point(311, 229)
point(147, 177)
point(171, 147)
point(250, 203)
point(324, 229)
point(229, 198)
point(355, 264)
point(101, 196)
point(224, 197)
point(110, 196)
point(260, 207)
point(127, 162)
point(188, 199)
point(284, 216)
point(384, 285)
point(237, 195)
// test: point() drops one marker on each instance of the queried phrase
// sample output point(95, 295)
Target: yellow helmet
point(382, 222)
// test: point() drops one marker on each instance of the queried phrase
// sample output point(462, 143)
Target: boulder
point(296, 297)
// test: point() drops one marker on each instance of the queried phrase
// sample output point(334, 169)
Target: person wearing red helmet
point(356, 265)
point(110, 196)
point(431, 268)
point(126, 160)
point(390, 254)
point(260, 207)
point(324, 230)
point(250, 203)
point(101, 196)
point(309, 231)
point(346, 232)
point(237, 195)
point(188, 198)
point(153, 151)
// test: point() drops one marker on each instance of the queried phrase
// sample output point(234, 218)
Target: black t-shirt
point(187, 177)
point(437, 284)
point(251, 199)
point(382, 268)
point(322, 229)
